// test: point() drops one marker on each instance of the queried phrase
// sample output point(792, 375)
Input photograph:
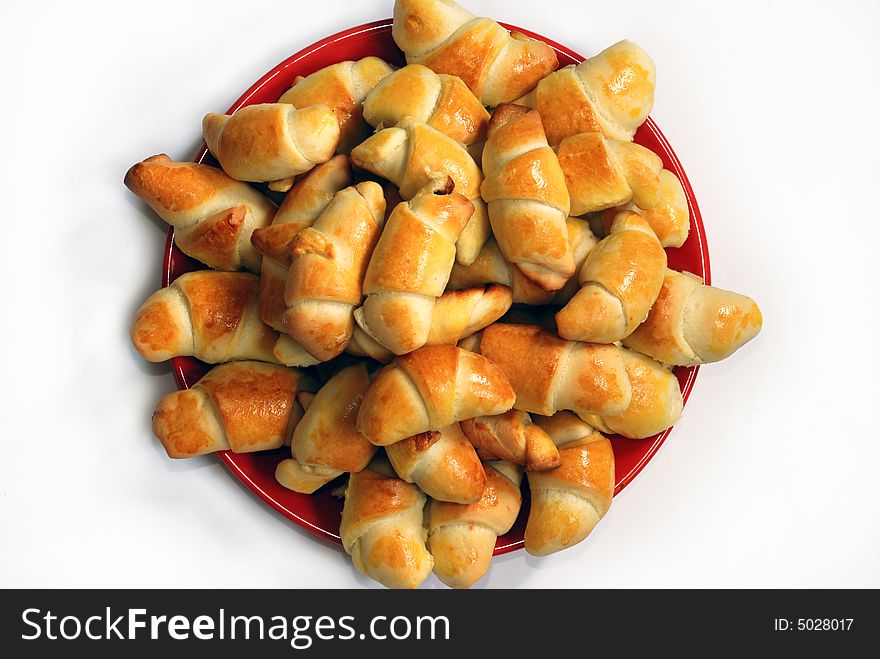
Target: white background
point(769, 480)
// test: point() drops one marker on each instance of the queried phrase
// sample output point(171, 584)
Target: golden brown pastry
point(549, 374)
point(611, 93)
point(205, 314)
point(382, 527)
point(271, 141)
point(691, 323)
point(568, 502)
point(620, 281)
point(527, 198)
point(441, 101)
point(602, 173)
point(514, 438)
point(326, 442)
point(497, 66)
point(212, 214)
point(412, 155)
point(462, 537)
point(443, 463)
point(430, 389)
point(342, 87)
point(328, 263)
point(240, 407)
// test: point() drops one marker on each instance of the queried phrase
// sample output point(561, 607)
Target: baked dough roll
point(412, 155)
point(205, 314)
point(441, 101)
point(326, 442)
point(462, 537)
point(527, 197)
point(240, 407)
point(620, 281)
point(549, 374)
point(514, 438)
point(430, 389)
point(568, 502)
point(382, 527)
point(300, 209)
point(212, 214)
point(498, 66)
point(443, 463)
point(656, 400)
point(602, 173)
point(410, 267)
point(329, 260)
point(271, 141)
point(691, 323)
point(611, 93)
point(342, 87)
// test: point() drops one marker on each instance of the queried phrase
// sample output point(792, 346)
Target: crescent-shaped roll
point(205, 314)
point(212, 214)
point(342, 87)
point(412, 155)
point(328, 263)
point(382, 527)
point(455, 316)
point(602, 173)
point(527, 197)
point(300, 208)
point(271, 141)
point(691, 323)
point(611, 93)
point(443, 463)
point(441, 101)
point(620, 281)
point(240, 407)
point(462, 537)
point(514, 438)
point(656, 400)
point(568, 502)
point(430, 389)
point(410, 267)
point(326, 442)
point(549, 374)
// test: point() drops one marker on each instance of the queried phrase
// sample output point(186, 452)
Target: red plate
point(320, 513)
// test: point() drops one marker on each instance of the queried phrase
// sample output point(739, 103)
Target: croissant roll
point(300, 208)
point(549, 374)
point(512, 437)
point(382, 527)
point(443, 463)
point(611, 93)
point(212, 214)
point(441, 101)
point(527, 197)
point(410, 266)
point(329, 260)
point(431, 388)
point(271, 141)
point(691, 323)
point(656, 400)
point(602, 173)
point(412, 155)
point(342, 87)
point(620, 282)
point(583, 242)
point(568, 502)
point(326, 442)
point(462, 537)
point(205, 314)
point(240, 407)
point(496, 65)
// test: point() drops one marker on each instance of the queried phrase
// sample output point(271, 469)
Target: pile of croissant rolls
point(383, 223)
